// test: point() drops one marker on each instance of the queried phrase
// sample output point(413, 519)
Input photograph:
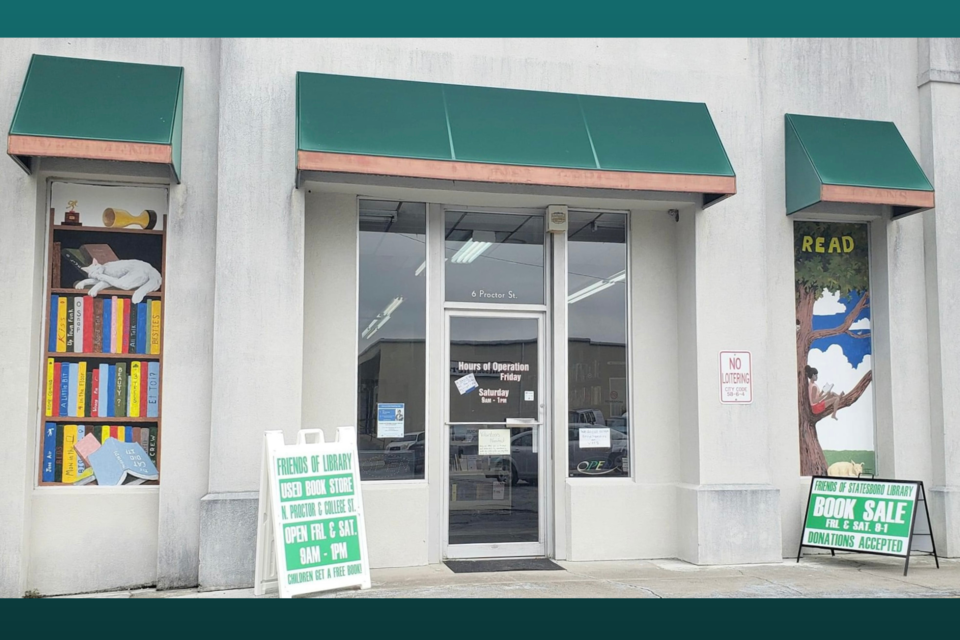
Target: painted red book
point(125, 340)
point(95, 394)
point(143, 389)
point(115, 432)
point(57, 373)
point(98, 325)
point(87, 324)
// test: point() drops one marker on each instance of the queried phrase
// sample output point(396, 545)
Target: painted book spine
point(71, 311)
point(78, 324)
point(112, 391)
point(120, 398)
point(134, 408)
point(87, 324)
point(95, 393)
point(49, 451)
point(61, 324)
point(58, 456)
point(134, 328)
point(64, 389)
point(153, 389)
point(107, 326)
point(81, 390)
point(48, 396)
point(81, 465)
point(54, 310)
point(143, 326)
point(125, 324)
point(69, 454)
point(72, 400)
point(155, 327)
point(144, 387)
point(98, 325)
point(105, 399)
point(152, 449)
point(57, 381)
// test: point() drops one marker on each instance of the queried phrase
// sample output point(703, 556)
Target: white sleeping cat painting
point(121, 274)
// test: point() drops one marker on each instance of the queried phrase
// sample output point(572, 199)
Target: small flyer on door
point(390, 420)
point(467, 383)
point(494, 442)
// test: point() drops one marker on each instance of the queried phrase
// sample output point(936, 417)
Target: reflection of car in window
point(587, 416)
point(398, 450)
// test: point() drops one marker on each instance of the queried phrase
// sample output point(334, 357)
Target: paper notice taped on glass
point(466, 384)
point(595, 438)
point(494, 442)
point(390, 420)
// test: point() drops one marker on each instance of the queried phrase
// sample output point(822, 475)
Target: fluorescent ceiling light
point(479, 242)
point(424, 266)
point(596, 287)
point(381, 318)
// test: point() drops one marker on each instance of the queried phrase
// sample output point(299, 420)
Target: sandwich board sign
point(310, 528)
point(882, 517)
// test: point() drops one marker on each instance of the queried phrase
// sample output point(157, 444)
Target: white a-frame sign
point(310, 529)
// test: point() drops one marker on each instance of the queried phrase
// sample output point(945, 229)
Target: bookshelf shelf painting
point(103, 335)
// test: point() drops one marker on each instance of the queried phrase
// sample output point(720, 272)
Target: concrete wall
point(938, 78)
point(146, 535)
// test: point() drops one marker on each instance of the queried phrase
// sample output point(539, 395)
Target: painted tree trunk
point(812, 460)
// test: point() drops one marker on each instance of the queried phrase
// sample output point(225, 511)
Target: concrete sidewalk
point(816, 576)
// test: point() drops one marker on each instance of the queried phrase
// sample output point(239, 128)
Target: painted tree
point(843, 270)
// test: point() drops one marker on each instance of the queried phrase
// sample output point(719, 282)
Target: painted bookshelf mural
point(104, 336)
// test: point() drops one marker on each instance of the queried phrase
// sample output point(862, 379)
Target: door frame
point(543, 546)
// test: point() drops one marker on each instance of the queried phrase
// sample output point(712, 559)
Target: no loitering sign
point(736, 377)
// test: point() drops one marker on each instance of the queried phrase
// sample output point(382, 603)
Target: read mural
point(834, 364)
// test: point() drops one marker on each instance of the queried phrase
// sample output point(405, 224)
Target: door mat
point(510, 564)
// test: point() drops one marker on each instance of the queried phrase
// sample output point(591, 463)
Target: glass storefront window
point(598, 421)
point(391, 366)
point(494, 257)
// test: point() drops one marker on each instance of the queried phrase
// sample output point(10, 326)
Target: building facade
point(524, 269)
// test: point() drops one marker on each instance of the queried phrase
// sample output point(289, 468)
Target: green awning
point(352, 125)
point(93, 109)
point(837, 160)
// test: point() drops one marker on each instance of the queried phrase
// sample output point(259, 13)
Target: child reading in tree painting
point(821, 400)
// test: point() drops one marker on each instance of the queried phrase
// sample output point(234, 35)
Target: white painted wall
point(160, 526)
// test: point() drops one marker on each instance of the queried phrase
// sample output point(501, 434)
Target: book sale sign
point(316, 515)
point(864, 516)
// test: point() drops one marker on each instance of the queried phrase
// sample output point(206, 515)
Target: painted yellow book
point(134, 404)
point(117, 324)
point(48, 404)
point(81, 391)
point(62, 324)
point(69, 454)
point(155, 327)
point(104, 433)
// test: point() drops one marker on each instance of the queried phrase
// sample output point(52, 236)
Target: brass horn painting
point(834, 349)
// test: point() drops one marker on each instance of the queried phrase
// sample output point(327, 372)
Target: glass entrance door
point(495, 408)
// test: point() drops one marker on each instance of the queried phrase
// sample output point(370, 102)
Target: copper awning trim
point(872, 195)
point(89, 149)
point(513, 174)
